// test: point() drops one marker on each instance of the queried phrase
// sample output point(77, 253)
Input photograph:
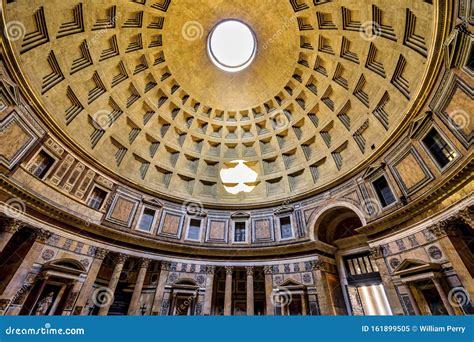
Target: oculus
point(232, 45)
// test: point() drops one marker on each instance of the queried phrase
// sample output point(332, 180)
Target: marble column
point(133, 308)
point(87, 287)
point(270, 310)
point(443, 296)
point(228, 291)
point(326, 305)
point(413, 300)
point(420, 300)
point(26, 265)
point(441, 231)
point(114, 279)
point(160, 288)
point(304, 305)
point(250, 295)
point(7, 230)
point(390, 290)
point(207, 309)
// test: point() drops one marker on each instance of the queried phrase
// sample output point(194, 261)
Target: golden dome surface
point(129, 85)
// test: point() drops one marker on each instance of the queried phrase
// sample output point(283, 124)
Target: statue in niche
point(44, 305)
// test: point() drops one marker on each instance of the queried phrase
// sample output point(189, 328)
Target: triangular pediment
point(418, 123)
point(409, 266)
point(372, 169)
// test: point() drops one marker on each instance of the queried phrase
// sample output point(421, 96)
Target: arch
point(343, 213)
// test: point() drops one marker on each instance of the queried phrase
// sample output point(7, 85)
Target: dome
point(134, 89)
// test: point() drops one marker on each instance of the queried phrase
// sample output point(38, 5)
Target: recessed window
point(232, 46)
point(384, 192)
point(97, 198)
point(146, 221)
point(286, 231)
point(194, 230)
point(42, 164)
point(240, 232)
point(438, 147)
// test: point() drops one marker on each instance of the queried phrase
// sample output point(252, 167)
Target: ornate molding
point(250, 271)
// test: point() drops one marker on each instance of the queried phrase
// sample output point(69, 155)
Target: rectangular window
point(194, 230)
point(285, 228)
point(239, 232)
point(146, 222)
point(383, 191)
point(43, 163)
point(439, 148)
point(97, 198)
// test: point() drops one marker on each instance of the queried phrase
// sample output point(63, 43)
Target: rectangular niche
point(123, 208)
point(262, 229)
point(410, 171)
point(171, 224)
point(217, 230)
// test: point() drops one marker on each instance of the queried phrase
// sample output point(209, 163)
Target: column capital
point(315, 264)
point(438, 230)
point(165, 265)
point(466, 215)
point(11, 226)
point(121, 258)
point(144, 262)
point(41, 235)
point(250, 271)
point(376, 252)
point(210, 269)
point(101, 253)
point(268, 269)
point(228, 270)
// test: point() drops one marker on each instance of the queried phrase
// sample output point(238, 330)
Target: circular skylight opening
point(232, 45)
